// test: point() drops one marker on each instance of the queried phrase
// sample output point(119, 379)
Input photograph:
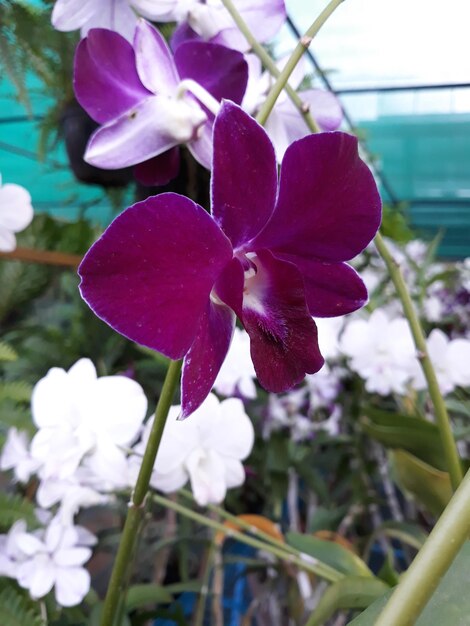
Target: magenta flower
point(170, 276)
point(149, 102)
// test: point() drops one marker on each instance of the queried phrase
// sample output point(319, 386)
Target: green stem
point(242, 524)
point(136, 508)
point(294, 58)
point(316, 567)
point(451, 454)
point(270, 65)
point(431, 563)
point(201, 604)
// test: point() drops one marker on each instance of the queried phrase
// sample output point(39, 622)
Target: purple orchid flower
point(149, 102)
point(170, 276)
point(209, 20)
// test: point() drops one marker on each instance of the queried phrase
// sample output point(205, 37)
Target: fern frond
point(7, 353)
point(14, 508)
point(17, 610)
point(19, 391)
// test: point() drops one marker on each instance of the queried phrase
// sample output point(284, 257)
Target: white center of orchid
point(254, 286)
point(184, 119)
point(191, 86)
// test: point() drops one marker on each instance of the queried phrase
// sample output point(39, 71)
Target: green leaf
point(330, 553)
point(16, 609)
point(14, 508)
point(428, 485)
point(193, 586)
point(18, 391)
point(95, 617)
point(353, 592)
point(413, 434)
point(449, 605)
point(140, 595)
point(12, 414)
point(406, 532)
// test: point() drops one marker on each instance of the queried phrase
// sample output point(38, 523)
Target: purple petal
point(221, 71)
point(155, 64)
point(325, 108)
point(160, 170)
point(150, 274)
point(105, 77)
point(201, 148)
point(205, 357)
point(263, 17)
point(182, 34)
point(331, 289)
point(244, 176)
point(229, 286)
point(284, 345)
point(328, 206)
point(138, 135)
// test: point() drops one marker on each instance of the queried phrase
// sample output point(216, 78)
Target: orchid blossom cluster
point(87, 448)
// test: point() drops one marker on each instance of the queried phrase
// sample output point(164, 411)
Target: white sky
point(387, 42)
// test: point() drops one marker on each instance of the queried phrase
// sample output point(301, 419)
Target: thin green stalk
point(316, 567)
point(136, 508)
point(451, 454)
point(242, 524)
point(201, 603)
point(270, 65)
point(294, 58)
point(419, 582)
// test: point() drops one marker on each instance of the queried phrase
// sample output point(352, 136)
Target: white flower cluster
point(51, 557)
point(89, 443)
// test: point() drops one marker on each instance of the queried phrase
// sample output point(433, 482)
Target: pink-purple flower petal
point(150, 274)
point(106, 82)
point(263, 17)
point(139, 134)
point(331, 289)
point(155, 64)
point(328, 206)
point(244, 175)
point(159, 170)
point(221, 71)
point(283, 335)
point(205, 357)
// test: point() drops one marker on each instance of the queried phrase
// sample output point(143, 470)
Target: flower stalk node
point(306, 41)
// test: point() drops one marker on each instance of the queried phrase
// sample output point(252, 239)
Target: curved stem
point(270, 65)
point(311, 565)
point(419, 582)
point(246, 526)
point(294, 58)
point(135, 512)
point(451, 454)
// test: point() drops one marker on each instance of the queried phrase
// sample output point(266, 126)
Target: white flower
point(16, 212)
point(17, 457)
point(381, 351)
point(451, 360)
point(55, 559)
point(237, 372)
point(285, 125)
point(329, 329)
point(78, 414)
point(207, 449)
point(73, 493)
point(10, 553)
point(115, 15)
point(323, 386)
